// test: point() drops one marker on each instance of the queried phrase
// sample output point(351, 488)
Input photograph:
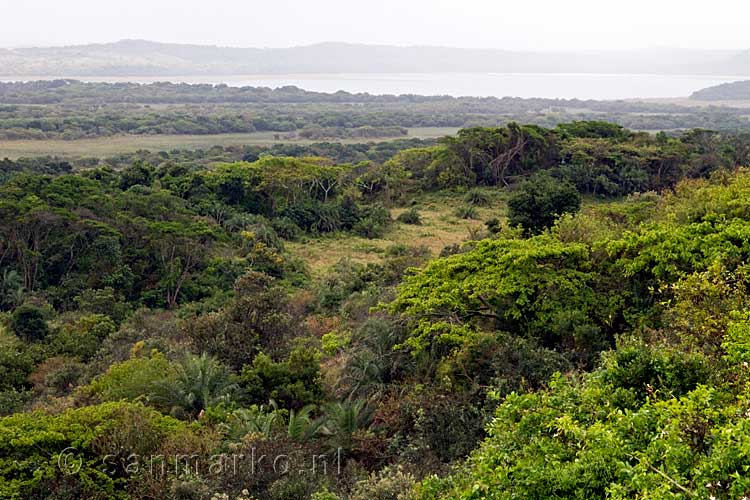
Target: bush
point(493, 226)
point(64, 378)
point(131, 380)
point(467, 212)
point(539, 201)
point(373, 222)
point(255, 319)
point(286, 228)
point(31, 444)
point(12, 401)
point(700, 438)
point(195, 384)
point(83, 337)
point(411, 216)
point(103, 301)
point(16, 363)
point(390, 483)
point(636, 372)
point(28, 322)
point(477, 198)
point(292, 383)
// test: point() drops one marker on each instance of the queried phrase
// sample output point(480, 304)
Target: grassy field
point(107, 146)
point(440, 227)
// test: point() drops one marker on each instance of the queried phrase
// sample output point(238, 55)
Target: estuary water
point(547, 85)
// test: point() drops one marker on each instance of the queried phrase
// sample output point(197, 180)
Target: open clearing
point(440, 227)
point(108, 146)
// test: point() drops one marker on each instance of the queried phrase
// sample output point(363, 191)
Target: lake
point(552, 85)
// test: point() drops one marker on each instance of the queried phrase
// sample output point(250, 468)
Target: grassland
point(108, 146)
point(440, 227)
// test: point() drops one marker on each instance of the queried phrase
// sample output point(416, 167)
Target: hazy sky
point(537, 24)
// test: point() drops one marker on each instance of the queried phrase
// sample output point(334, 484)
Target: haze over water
point(552, 85)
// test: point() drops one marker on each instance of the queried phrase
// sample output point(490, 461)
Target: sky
point(512, 25)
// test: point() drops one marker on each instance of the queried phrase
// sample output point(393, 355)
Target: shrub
point(286, 228)
point(373, 222)
point(83, 337)
point(477, 198)
point(300, 481)
point(65, 378)
point(103, 301)
point(636, 371)
point(133, 379)
point(31, 465)
point(493, 226)
point(335, 341)
point(390, 483)
point(539, 201)
point(410, 216)
point(255, 319)
point(12, 401)
point(699, 438)
point(293, 383)
point(28, 322)
point(16, 363)
point(467, 212)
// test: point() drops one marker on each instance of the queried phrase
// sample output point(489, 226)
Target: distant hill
point(735, 91)
point(146, 58)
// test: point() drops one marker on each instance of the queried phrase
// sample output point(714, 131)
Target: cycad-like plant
point(343, 420)
point(477, 198)
point(302, 427)
point(364, 374)
point(255, 420)
point(198, 383)
point(11, 288)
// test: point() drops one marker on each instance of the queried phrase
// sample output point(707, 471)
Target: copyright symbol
point(69, 462)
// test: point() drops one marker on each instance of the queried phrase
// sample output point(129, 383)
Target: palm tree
point(198, 383)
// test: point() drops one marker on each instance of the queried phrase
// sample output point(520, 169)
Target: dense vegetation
point(66, 109)
point(589, 340)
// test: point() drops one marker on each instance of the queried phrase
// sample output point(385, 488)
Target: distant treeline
point(66, 109)
point(67, 91)
point(377, 152)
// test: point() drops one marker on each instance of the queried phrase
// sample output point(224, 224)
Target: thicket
point(155, 309)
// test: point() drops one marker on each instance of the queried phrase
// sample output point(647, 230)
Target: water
point(553, 85)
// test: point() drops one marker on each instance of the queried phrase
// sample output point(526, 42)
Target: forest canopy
point(512, 312)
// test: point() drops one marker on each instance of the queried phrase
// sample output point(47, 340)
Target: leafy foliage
point(539, 201)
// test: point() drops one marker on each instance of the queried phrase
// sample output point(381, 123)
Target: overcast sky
point(537, 24)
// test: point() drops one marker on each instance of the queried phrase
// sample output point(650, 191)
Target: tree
point(254, 319)
point(539, 201)
point(29, 324)
point(536, 288)
point(179, 249)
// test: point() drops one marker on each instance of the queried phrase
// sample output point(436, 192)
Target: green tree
point(539, 201)
point(29, 323)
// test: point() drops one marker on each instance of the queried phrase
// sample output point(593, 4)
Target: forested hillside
point(143, 57)
point(734, 91)
point(513, 312)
